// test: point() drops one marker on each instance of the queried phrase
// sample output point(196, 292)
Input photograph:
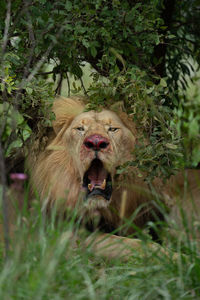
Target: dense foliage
point(144, 49)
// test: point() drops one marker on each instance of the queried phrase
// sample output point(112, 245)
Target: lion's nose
point(96, 142)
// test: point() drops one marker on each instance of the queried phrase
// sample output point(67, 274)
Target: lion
point(79, 168)
point(80, 163)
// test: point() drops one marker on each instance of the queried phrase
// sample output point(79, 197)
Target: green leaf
point(163, 83)
point(93, 51)
point(171, 146)
point(29, 90)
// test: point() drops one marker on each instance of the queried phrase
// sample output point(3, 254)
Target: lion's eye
point(81, 128)
point(113, 129)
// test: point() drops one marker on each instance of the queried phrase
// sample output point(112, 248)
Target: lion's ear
point(117, 106)
point(66, 109)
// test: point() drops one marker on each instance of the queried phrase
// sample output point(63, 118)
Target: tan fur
point(58, 171)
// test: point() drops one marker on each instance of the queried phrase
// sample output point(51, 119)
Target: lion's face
point(98, 143)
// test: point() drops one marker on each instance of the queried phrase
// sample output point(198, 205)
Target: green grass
point(43, 265)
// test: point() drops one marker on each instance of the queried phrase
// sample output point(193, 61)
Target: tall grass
point(44, 264)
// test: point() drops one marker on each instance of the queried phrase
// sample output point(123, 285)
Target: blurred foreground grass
point(43, 264)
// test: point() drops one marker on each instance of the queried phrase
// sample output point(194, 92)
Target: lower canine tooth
point(103, 185)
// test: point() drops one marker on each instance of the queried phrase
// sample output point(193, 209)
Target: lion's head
point(98, 142)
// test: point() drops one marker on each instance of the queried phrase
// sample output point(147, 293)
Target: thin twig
point(68, 85)
point(3, 123)
point(32, 40)
point(46, 73)
point(4, 202)
point(83, 87)
point(15, 21)
point(59, 86)
point(7, 26)
point(4, 45)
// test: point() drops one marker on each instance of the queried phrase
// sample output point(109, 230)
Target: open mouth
point(97, 180)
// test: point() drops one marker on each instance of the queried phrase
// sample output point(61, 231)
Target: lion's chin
point(95, 203)
point(93, 212)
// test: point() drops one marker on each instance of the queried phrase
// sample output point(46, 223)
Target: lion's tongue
point(97, 176)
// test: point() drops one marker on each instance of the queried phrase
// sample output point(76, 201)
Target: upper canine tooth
point(90, 187)
point(103, 184)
